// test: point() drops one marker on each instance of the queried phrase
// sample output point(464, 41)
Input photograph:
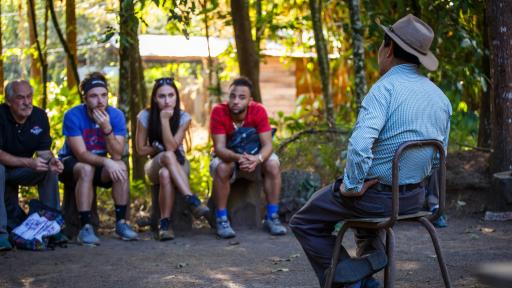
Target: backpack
point(246, 140)
point(35, 231)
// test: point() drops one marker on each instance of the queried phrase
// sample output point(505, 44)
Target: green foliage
point(200, 179)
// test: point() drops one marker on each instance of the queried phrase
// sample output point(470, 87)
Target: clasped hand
point(41, 165)
point(248, 162)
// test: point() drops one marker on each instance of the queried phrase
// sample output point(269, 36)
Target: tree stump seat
point(181, 216)
point(245, 204)
point(70, 211)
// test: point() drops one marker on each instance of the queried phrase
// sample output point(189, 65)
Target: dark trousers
point(314, 223)
point(47, 183)
point(433, 186)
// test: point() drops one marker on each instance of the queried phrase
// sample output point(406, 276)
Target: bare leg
point(221, 185)
point(272, 181)
point(84, 174)
point(178, 176)
point(120, 189)
point(167, 193)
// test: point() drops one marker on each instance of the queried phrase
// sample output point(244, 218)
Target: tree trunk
point(484, 129)
point(323, 59)
point(500, 33)
point(70, 56)
point(42, 59)
point(21, 31)
point(132, 90)
point(71, 39)
point(45, 55)
point(1, 59)
point(358, 51)
point(35, 67)
point(248, 58)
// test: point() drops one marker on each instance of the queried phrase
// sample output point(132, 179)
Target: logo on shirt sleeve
point(36, 130)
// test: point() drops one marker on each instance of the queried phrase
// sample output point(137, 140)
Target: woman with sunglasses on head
point(160, 132)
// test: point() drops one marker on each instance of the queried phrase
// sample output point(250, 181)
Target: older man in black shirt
point(24, 130)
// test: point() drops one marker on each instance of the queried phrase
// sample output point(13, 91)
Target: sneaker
point(224, 229)
point(59, 238)
point(440, 222)
point(165, 232)
point(370, 282)
point(87, 236)
point(274, 226)
point(4, 243)
point(124, 231)
point(198, 209)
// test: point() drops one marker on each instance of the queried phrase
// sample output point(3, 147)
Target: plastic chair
point(387, 223)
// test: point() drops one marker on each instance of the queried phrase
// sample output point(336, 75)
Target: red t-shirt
point(221, 122)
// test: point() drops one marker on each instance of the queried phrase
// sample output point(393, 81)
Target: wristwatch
point(260, 158)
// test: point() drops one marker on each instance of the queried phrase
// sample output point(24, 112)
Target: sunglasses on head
point(164, 80)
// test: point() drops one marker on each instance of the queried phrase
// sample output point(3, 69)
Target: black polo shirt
point(22, 140)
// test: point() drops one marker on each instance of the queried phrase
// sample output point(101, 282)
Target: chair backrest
point(437, 145)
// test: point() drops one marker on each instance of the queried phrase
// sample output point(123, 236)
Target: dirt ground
point(256, 259)
point(252, 259)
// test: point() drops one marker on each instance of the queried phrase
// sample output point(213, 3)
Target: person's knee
point(224, 171)
point(164, 176)
point(271, 168)
point(84, 171)
point(168, 158)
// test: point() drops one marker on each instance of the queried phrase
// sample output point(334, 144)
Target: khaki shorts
point(253, 176)
point(152, 168)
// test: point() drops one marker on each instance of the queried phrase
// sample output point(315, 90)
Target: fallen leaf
point(233, 242)
point(280, 270)
point(487, 230)
point(181, 265)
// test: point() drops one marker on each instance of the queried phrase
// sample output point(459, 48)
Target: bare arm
point(142, 145)
point(115, 146)
point(81, 153)
point(115, 143)
point(221, 151)
point(173, 142)
point(14, 161)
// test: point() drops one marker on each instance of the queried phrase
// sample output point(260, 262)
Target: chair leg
point(335, 256)
point(389, 272)
point(440, 258)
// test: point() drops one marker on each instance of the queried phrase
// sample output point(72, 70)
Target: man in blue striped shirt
point(402, 105)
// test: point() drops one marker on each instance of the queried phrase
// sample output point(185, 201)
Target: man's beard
point(241, 111)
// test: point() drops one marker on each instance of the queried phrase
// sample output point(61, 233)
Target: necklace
point(238, 124)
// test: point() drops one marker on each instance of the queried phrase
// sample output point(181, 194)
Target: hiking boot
point(198, 209)
point(165, 232)
point(274, 226)
point(87, 236)
point(4, 242)
point(224, 229)
point(124, 231)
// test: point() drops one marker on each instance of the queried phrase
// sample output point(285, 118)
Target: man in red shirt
point(226, 165)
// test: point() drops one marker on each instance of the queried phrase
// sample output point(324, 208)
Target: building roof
point(177, 46)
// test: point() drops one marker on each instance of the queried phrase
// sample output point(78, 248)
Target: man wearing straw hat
point(402, 105)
